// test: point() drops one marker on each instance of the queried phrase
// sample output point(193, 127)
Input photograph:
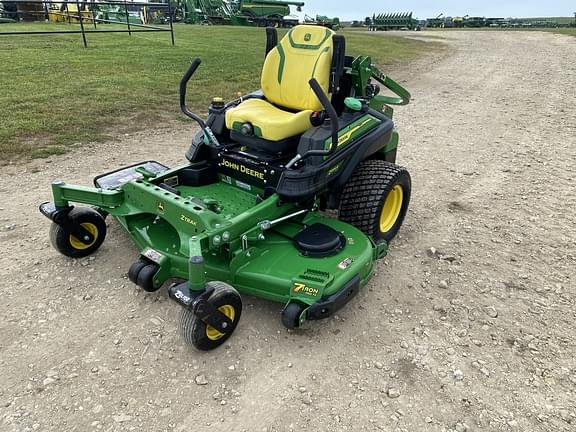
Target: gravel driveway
point(468, 324)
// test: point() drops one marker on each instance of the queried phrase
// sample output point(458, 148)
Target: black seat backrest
point(338, 60)
point(271, 39)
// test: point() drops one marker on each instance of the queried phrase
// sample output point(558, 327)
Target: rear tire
point(375, 199)
point(203, 337)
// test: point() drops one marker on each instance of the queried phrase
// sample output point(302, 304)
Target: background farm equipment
point(322, 20)
point(135, 16)
point(29, 11)
point(68, 12)
point(120, 13)
point(393, 21)
point(260, 13)
point(438, 22)
point(467, 21)
point(8, 12)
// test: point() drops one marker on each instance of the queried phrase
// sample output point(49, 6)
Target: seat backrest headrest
point(304, 53)
point(271, 39)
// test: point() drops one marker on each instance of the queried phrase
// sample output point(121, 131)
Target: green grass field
point(566, 31)
point(55, 93)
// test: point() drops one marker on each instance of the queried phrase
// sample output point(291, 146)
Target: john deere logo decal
point(307, 37)
point(300, 288)
point(160, 206)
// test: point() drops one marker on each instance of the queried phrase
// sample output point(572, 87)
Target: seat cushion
point(269, 122)
point(304, 53)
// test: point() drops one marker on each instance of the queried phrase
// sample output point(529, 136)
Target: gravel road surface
point(467, 325)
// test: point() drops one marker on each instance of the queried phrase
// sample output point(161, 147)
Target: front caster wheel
point(67, 244)
point(142, 274)
point(291, 315)
point(135, 269)
point(202, 336)
point(145, 278)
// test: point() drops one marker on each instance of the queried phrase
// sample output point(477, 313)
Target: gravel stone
point(491, 312)
point(201, 380)
point(458, 375)
point(48, 381)
point(122, 418)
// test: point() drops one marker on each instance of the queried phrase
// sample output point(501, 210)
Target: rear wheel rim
point(211, 332)
point(77, 244)
point(391, 208)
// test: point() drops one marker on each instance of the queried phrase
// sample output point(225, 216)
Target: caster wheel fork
point(195, 317)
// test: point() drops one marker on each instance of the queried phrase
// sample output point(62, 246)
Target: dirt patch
point(468, 324)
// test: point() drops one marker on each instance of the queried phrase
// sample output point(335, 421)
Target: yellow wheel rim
point(214, 334)
point(391, 208)
point(77, 244)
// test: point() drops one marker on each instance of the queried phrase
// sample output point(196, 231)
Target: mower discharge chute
point(244, 214)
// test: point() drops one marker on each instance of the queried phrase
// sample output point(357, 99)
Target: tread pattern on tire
point(186, 324)
point(193, 331)
point(361, 199)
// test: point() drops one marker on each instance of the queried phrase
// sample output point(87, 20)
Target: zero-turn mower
point(245, 213)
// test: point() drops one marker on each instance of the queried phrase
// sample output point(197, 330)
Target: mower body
point(249, 211)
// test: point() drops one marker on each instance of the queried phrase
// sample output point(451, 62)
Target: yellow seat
point(269, 122)
point(304, 53)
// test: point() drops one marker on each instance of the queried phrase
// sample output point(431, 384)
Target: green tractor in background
point(8, 12)
point(324, 21)
point(260, 13)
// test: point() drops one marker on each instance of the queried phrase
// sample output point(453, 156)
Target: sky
point(359, 9)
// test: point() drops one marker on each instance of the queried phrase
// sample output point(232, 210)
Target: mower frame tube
point(64, 194)
point(404, 95)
